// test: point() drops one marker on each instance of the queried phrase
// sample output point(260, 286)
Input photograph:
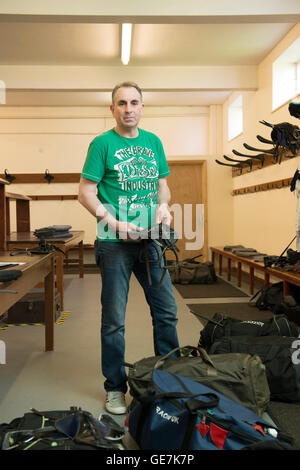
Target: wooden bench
point(286, 277)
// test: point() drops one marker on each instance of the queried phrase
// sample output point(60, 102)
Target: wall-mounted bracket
point(48, 177)
point(10, 178)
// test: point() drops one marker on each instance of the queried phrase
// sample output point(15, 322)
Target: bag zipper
point(220, 423)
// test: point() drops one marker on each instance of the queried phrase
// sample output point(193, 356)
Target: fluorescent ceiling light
point(126, 42)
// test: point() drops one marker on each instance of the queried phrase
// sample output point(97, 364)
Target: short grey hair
point(126, 85)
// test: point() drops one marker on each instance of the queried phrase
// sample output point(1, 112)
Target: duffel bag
point(280, 355)
point(72, 429)
point(190, 271)
point(268, 297)
point(178, 413)
point(290, 309)
point(240, 377)
point(220, 326)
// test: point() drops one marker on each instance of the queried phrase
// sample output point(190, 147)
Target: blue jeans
point(117, 261)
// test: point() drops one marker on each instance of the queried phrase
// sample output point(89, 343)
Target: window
point(235, 118)
point(286, 75)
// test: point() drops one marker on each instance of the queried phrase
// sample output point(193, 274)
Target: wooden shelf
point(33, 178)
point(283, 183)
point(15, 197)
point(53, 197)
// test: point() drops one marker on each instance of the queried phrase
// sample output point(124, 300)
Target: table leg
point(220, 264)
point(49, 309)
point(239, 273)
point(7, 216)
point(286, 288)
point(251, 279)
point(267, 279)
point(3, 212)
point(229, 269)
point(80, 249)
point(59, 259)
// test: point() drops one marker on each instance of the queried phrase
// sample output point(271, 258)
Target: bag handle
point(255, 299)
point(190, 260)
point(276, 319)
point(192, 404)
point(186, 350)
point(195, 264)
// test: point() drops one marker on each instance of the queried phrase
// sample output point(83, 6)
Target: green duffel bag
point(240, 377)
point(190, 271)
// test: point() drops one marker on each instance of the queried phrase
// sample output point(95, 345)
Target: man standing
point(123, 184)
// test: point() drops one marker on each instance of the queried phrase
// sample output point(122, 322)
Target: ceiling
point(152, 44)
point(87, 44)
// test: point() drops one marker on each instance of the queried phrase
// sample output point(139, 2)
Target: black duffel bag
point(280, 356)
point(272, 298)
point(220, 326)
point(290, 309)
point(268, 297)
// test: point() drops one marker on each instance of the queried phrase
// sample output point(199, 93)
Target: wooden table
point(285, 276)
point(37, 268)
point(28, 240)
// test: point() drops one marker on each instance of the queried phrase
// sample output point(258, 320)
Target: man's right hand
point(128, 231)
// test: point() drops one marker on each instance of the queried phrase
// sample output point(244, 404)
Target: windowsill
point(285, 103)
point(232, 138)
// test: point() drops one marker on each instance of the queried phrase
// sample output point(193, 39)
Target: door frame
point(203, 192)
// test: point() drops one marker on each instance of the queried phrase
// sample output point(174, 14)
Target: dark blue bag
point(181, 414)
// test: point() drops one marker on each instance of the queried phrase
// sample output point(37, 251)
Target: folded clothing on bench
point(254, 255)
point(245, 254)
point(53, 231)
point(240, 251)
point(259, 257)
point(232, 247)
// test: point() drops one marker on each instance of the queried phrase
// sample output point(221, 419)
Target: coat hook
point(8, 177)
point(48, 177)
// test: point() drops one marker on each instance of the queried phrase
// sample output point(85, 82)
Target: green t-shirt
point(127, 170)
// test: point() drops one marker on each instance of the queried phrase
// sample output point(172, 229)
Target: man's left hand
point(163, 214)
